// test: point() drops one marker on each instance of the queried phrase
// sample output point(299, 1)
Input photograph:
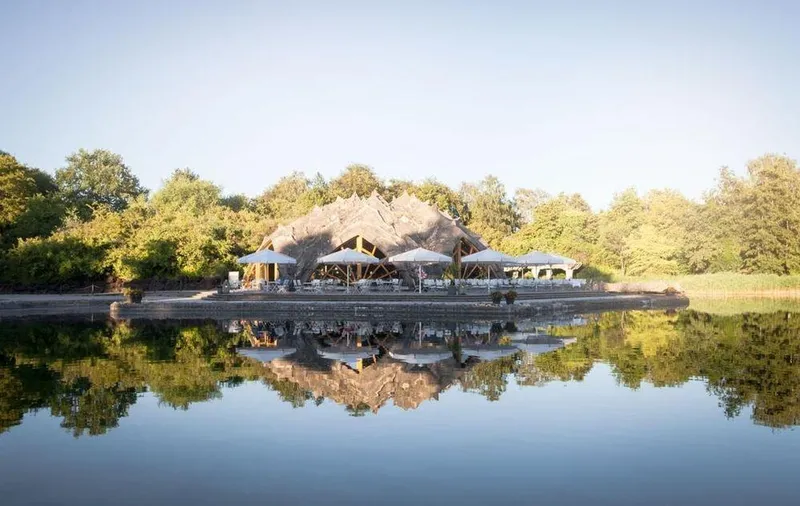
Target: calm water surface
point(617, 408)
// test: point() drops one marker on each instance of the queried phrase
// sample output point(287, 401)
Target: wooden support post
point(360, 249)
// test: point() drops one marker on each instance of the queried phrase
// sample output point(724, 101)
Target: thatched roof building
point(373, 226)
point(405, 385)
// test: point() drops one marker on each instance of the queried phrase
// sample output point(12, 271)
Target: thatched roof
point(394, 227)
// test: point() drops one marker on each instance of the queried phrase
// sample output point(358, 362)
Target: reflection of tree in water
point(24, 388)
point(87, 408)
point(90, 374)
point(106, 366)
point(746, 360)
point(360, 409)
point(293, 393)
point(489, 378)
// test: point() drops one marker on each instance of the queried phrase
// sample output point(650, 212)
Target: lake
point(636, 407)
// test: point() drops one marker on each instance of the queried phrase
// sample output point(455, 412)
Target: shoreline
point(355, 309)
point(790, 293)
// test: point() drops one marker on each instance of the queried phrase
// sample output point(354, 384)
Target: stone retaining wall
point(389, 310)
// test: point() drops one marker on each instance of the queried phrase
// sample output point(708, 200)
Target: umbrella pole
point(419, 275)
point(348, 278)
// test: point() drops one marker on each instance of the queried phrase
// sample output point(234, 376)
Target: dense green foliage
point(94, 222)
point(97, 178)
point(29, 204)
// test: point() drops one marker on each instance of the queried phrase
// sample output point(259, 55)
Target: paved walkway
point(98, 297)
point(19, 304)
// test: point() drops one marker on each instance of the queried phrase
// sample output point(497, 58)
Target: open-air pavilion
point(538, 261)
point(372, 226)
point(395, 239)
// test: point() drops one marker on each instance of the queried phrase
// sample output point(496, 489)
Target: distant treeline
point(93, 221)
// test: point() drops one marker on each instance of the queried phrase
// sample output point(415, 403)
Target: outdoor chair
point(362, 286)
point(233, 280)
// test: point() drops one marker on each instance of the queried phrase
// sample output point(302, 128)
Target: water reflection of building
point(386, 379)
point(364, 365)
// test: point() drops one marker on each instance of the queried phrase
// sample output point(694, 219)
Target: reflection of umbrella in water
point(421, 356)
point(364, 330)
point(489, 351)
point(542, 344)
point(266, 354)
point(343, 354)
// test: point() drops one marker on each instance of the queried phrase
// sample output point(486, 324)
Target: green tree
point(292, 196)
point(184, 191)
point(526, 201)
point(29, 206)
point(397, 187)
point(17, 186)
point(97, 177)
point(52, 262)
point(619, 223)
point(658, 245)
point(433, 192)
point(771, 216)
point(564, 224)
point(443, 197)
point(45, 183)
point(491, 214)
point(237, 202)
point(42, 216)
point(358, 179)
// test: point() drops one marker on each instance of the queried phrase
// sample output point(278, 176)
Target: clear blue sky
point(568, 96)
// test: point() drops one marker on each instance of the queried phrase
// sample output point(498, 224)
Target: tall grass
point(732, 283)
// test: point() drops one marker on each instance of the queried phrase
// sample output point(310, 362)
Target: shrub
point(496, 297)
point(133, 295)
point(510, 296)
point(53, 262)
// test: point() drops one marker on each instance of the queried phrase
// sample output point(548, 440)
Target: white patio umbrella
point(267, 256)
point(266, 354)
point(537, 258)
point(489, 257)
point(563, 260)
point(420, 257)
point(348, 257)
